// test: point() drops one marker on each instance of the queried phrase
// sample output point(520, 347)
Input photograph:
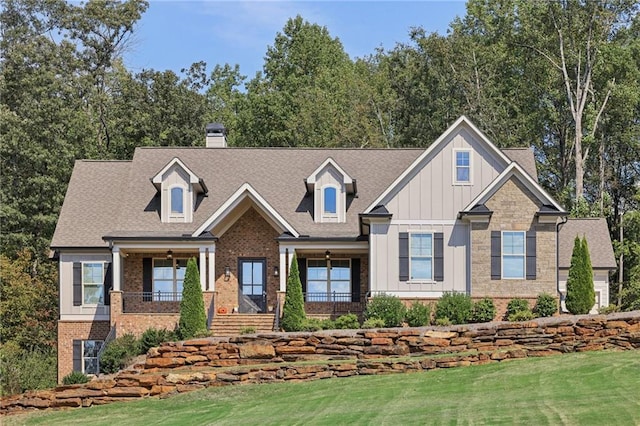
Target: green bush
point(580, 292)
point(74, 378)
point(248, 330)
point(153, 337)
point(193, 320)
point(443, 321)
point(457, 307)
point(311, 324)
point(373, 323)
point(484, 310)
point(293, 316)
point(22, 370)
point(606, 310)
point(118, 353)
point(517, 305)
point(348, 321)
point(327, 324)
point(526, 315)
point(546, 305)
point(418, 315)
point(388, 308)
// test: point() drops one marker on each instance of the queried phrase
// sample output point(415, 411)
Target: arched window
point(330, 200)
point(177, 200)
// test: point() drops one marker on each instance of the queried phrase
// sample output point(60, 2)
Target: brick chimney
point(216, 136)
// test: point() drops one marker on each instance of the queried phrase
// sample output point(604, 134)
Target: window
point(421, 257)
point(93, 283)
point(463, 167)
point(328, 280)
point(177, 200)
point(513, 254)
point(330, 200)
point(90, 362)
point(168, 277)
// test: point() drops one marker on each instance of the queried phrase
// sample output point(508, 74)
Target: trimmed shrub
point(348, 321)
point(580, 292)
point(457, 307)
point(118, 353)
point(443, 321)
point(373, 323)
point(74, 378)
point(546, 305)
point(293, 315)
point(418, 315)
point(522, 316)
point(193, 320)
point(153, 337)
point(516, 305)
point(484, 310)
point(327, 324)
point(388, 308)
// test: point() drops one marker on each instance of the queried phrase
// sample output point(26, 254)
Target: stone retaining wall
point(199, 363)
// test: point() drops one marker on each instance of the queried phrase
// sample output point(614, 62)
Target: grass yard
point(600, 388)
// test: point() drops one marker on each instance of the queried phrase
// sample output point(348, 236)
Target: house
point(461, 215)
point(603, 262)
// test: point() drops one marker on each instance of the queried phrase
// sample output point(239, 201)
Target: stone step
point(232, 324)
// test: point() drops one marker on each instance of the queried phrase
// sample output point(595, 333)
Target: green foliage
point(457, 307)
point(526, 315)
point(348, 321)
point(631, 296)
point(443, 322)
point(293, 315)
point(517, 305)
point(373, 323)
point(75, 378)
point(546, 305)
point(580, 292)
point(118, 353)
point(484, 310)
point(26, 369)
point(610, 309)
point(153, 337)
point(248, 330)
point(311, 324)
point(193, 320)
point(418, 315)
point(388, 308)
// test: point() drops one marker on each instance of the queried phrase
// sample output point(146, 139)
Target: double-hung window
point(421, 257)
point(93, 283)
point(168, 278)
point(90, 362)
point(513, 254)
point(462, 166)
point(328, 280)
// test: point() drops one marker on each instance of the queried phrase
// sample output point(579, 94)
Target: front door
point(252, 294)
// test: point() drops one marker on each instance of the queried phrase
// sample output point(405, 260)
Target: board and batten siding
point(174, 177)
point(67, 310)
point(329, 176)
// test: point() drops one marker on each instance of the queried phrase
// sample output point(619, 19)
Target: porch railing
point(158, 302)
point(334, 303)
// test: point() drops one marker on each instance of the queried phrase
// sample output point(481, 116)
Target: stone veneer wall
point(195, 364)
point(68, 331)
point(514, 209)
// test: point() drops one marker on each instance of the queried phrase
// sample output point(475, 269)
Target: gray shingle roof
point(597, 234)
point(524, 157)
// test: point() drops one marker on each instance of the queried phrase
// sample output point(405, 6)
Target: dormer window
point(330, 200)
point(177, 200)
point(330, 185)
point(179, 188)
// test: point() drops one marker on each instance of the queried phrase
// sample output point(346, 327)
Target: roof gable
point(347, 180)
point(193, 178)
point(597, 233)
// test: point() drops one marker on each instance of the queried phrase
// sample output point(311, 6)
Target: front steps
point(225, 325)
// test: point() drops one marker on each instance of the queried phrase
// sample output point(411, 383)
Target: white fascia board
point(193, 178)
point(463, 120)
point(244, 191)
point(347, 180)
point(513, 169)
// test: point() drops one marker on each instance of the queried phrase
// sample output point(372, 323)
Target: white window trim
point(338, 201)
point(82, 357)
point(175, 281)
point(328, 280)
point(422, 280)
point(185, 204)
point(455, 167)
point(524, 256)
point(82, 283)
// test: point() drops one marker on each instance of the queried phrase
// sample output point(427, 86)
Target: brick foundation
point(68, 331)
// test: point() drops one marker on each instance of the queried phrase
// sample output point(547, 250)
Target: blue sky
point(174, 34)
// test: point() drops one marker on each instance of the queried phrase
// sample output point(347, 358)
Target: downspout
point(558, 226)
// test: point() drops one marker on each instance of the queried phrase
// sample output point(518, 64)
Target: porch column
point(283, 265)
point(203, 268)
point(116, 268)
point(212, 268)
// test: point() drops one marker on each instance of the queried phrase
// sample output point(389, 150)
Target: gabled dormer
point(179, 188)
point(329, 185)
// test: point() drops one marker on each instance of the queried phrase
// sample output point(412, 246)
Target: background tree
point(193, 320)
point(293, 315)
point(580, 293)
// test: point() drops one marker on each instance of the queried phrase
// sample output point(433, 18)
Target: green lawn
point(578, 389)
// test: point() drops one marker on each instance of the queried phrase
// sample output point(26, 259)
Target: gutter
point(558, 226)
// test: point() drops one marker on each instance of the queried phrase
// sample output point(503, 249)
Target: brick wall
point(514, 209)
point(68, 331)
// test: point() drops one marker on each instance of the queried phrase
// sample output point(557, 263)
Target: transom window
point(330, 200)
point(168, 277)
point(463, 166)
point(90, 361)
point(93, 283)
point(421, 257)
point(513, 254)
point(177, 200)
point(328, 280)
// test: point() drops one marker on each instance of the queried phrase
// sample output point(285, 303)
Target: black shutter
point(108, 283)
point(77, 284)
point(403, 257)
point(438, 248)
point(355, 280)
point(147, 279)
point(531, 254)
point(77, 355)
point(496, 256)
point(302, 271)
